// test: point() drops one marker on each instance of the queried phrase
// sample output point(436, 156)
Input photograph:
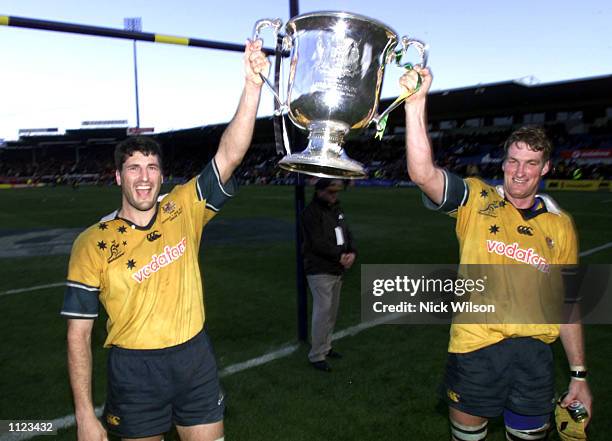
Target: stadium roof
point(496, 99)
point(512, 97)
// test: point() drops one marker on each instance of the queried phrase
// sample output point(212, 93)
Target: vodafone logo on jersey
point(158, 261)
point(513, 251)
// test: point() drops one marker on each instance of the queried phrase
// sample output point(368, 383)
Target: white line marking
point(354, 330)
point(285, 351)
point(58, 284)
point(69, 420)
point(596, 249)
point(32, 288)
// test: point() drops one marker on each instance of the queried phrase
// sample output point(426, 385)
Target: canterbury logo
point(158, 261)
point(452, 395)
point(513, 251)
point(113, 420)
point(153, 236)
point(524, 229)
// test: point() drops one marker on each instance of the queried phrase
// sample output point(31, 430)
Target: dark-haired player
point(141, 264)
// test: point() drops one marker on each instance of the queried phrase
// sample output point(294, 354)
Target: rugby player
point(141, 264)
point(500, 369)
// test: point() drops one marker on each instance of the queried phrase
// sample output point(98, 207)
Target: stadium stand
point(467, 126)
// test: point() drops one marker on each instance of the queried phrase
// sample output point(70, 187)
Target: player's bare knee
point(465, 432)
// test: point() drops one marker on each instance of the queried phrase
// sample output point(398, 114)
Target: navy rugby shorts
point(515, 374)
point(149, 390)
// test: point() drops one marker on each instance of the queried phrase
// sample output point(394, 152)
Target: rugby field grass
point(384, 388)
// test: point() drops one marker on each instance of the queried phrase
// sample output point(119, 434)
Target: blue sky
point(58, 80)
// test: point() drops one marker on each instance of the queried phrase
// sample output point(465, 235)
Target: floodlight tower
point(134, 24)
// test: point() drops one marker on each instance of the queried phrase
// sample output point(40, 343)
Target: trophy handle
point(423, 50)
point(275, 24)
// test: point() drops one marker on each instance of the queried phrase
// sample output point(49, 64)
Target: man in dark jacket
point(328, 252)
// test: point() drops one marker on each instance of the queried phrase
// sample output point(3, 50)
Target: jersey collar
point(138, 227)
point(542, 204)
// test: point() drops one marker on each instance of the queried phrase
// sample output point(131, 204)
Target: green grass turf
point(385, 386)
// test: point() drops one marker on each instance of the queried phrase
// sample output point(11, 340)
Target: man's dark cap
point(325, 183)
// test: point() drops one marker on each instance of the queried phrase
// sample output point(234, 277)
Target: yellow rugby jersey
point(491, 230)
point(147, 278)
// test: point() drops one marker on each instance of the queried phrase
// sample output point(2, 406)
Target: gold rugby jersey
point(491, 230)
point(147, 278)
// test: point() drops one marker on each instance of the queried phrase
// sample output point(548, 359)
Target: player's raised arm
point(80, 370)
point(419, 154)
point(238, 135)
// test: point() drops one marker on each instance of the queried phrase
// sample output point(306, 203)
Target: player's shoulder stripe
point(198, 189)
point(79, 285)
point(212, 207)
point(78, 314)
point(217, 174)
point(551, 205)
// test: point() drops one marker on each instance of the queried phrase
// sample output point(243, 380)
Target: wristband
point(578, 375)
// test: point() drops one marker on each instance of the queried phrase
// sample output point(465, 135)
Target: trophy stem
point(324, 155)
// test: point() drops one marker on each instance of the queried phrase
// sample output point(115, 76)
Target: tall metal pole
point(294, 8)
point(134, 25)
point(136, 86)
point(300, 198)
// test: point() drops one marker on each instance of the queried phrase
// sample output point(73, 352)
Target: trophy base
point(324, 156)
point(309, 162)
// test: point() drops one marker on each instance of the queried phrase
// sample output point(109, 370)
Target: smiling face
point(523, 169)
point(140, 179)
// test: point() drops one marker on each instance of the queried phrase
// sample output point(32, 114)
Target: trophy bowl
point(336, 70)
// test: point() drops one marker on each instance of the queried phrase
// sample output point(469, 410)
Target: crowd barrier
point(578, 185)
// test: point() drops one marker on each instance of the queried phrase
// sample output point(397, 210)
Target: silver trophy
point(335, 78)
